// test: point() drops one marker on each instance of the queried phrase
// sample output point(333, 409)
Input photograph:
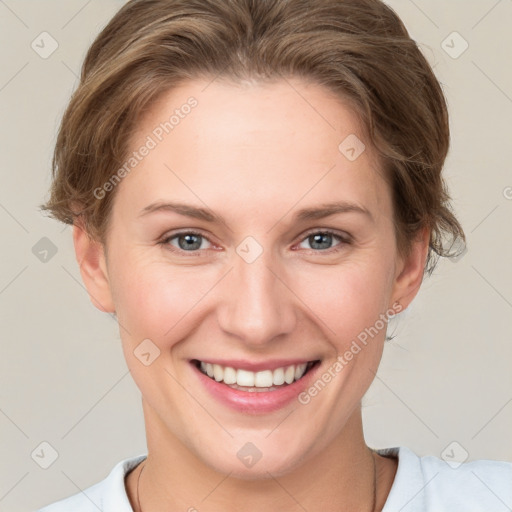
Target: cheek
point(157, 301)
point(151, 301)
point(347, 299)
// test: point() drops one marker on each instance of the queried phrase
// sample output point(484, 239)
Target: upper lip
point(256, 366)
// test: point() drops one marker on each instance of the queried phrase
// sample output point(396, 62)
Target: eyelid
point(340, 234)
point(165, 240)
point(345, 239)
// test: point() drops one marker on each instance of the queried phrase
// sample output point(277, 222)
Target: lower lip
point(256, 402)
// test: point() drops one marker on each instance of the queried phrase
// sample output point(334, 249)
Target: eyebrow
point(314, 213)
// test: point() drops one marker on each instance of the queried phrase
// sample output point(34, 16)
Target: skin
point(254, 153)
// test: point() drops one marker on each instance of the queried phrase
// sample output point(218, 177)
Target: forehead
point(251, 143)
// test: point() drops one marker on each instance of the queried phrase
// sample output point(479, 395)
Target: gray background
point(445, 378)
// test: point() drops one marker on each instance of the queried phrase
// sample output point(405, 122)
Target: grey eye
point(189, 242)
point(321, 241)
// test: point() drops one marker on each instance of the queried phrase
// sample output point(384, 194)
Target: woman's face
point(279, 250)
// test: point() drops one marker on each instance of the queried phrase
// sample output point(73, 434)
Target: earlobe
point(90, 256)
point(411, 272)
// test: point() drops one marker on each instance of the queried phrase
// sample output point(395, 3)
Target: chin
point(246, 461)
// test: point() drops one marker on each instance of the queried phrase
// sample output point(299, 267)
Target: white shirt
point(422, 484)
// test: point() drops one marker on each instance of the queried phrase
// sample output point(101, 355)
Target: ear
point(410, 271)
point(91, 259)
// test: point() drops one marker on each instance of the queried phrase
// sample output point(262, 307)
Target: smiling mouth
point(265, 380)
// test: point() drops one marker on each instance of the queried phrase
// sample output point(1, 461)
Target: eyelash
point(344, 240)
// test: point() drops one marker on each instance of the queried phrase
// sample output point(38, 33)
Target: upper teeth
point(262, 379)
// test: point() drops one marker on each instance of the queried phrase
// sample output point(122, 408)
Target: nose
point(258, 304)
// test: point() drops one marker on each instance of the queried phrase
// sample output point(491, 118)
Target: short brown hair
point(359, 49)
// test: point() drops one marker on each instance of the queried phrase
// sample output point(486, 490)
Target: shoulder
point(431, 484)
point(109, 495)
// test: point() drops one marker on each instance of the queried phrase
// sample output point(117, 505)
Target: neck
point(339, 477)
